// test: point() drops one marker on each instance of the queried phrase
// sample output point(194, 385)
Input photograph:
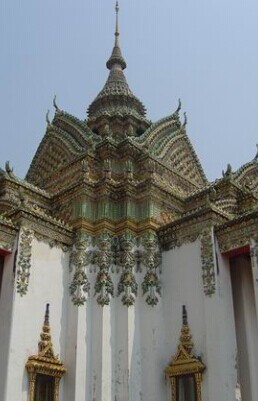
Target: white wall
point(116, 353)
point(6, 309)
point(48, 283)
point(210, 318)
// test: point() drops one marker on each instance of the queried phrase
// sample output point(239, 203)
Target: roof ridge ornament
point(47, 118)
point(179, 106)
point(55, 104)
point(256, 156)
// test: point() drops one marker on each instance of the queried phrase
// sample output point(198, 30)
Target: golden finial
point(186, 337)
point(46, 319)
point(45, 343)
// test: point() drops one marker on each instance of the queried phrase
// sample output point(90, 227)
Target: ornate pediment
point(167, 141)
point(46, 361)
point(56, 150)
point(247, 176)
point(184, 366)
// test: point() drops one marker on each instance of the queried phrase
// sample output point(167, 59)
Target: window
point(44, 388)
point(186, 388)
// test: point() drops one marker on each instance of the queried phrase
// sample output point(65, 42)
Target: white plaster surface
point(6, 312)
point(48, 279)
point(115, 353)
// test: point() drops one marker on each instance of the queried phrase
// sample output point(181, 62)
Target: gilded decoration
point(46, 362)
point(127, 259)
point(185, 363)
point(151, 259)
point(24, 261)
point(80, 258)
point(208, 261)
point(104, 259)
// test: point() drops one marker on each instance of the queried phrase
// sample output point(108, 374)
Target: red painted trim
point(243, 250)
point(4, 252)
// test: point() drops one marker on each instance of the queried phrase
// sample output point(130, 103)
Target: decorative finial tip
point(47, 118)
point(256, 156)
point(179, 106)
point(46, 321)
point(55, 104)
point(184, 315)
point(117, 30)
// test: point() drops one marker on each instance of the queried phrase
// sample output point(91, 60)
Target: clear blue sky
point(203, 51)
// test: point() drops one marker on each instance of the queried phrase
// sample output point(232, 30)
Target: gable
point(247, 176)
point(168, 142)
point(55, 150)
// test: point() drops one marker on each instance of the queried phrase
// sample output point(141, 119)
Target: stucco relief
point(104, 258)
point(208, 262)
point(127, 259)
point(151, 258)
point(24, 261)
point(80, 258)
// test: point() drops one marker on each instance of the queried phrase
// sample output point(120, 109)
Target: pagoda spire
point(116, 106)
point(117, 27)
point(116, 59)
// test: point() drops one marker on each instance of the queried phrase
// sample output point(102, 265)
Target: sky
point(202, 51)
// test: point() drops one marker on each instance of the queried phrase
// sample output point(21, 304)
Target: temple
point(149, 271)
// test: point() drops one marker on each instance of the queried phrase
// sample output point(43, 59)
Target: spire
point(45, 344)
point(116, 58)
point(116, 100)
point(46, 320)
point(45, 361)
point(117, 29)
point(186, 337)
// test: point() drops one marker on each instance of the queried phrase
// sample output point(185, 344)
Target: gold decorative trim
point(45, 362)
point(116, 228)
point(185, 363)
